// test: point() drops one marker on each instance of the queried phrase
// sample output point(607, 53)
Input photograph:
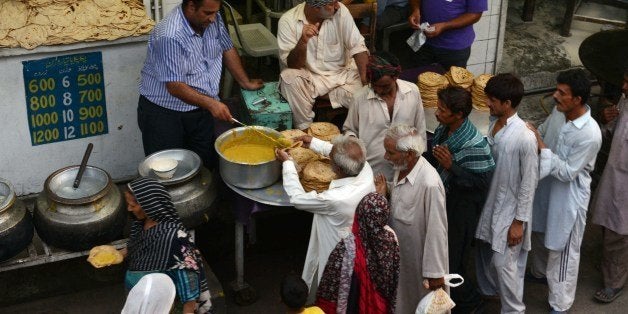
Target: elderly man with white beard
point(419, 217)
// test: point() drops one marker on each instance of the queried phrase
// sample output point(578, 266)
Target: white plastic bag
point(417, 39)
point(438, 301)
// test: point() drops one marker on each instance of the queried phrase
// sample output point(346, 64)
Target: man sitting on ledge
point(316, 42)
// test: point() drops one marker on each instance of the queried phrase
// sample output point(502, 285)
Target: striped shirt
point(177, 54)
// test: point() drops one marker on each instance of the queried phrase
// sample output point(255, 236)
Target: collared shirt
point(176, 53)
point(609, 205)
point(511, 192)
point(330, 52)
point(333, 209)
point(368, 119)
point(437, 11)
point(419, 218)
point(565, 185)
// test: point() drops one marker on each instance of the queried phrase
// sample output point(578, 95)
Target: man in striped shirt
point(180, 79)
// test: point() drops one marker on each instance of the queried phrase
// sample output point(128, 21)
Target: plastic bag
point(438, 301)
point(417, 39)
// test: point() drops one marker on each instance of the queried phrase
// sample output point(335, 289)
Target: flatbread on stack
point(317, 175)
point(477, 92)
point(104, 255)
point(458, 76)
point(292, 134)
point(302, 156)
point(323, 130)
point(32, 23)
point(429, 83)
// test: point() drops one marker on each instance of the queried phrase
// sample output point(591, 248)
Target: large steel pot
point(78, 219)
point(247, 176)
point(16, 226)
point(191, 188)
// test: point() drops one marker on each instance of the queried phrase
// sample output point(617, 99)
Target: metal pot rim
point(78, 201)
point(10, 198)
point(184, 156)
point(227, 133)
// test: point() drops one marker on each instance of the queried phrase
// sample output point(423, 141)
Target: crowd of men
point(517, 189)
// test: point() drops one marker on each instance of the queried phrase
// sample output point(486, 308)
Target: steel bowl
point(188, 165)
point(247, 176)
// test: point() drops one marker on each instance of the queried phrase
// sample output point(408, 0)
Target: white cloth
point(564, 188)
point(511, 192)
point(153, 294)
point(559, 266)
point(368, 119)
point(502, 274)
point(609, 204)
point(330, 67)
point(333, 210)
point(419, 219)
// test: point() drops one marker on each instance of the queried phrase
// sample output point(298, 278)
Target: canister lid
point(7, 194)
point(94, 185)
point(189, 164)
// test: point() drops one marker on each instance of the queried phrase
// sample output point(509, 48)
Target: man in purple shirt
point(450, 41)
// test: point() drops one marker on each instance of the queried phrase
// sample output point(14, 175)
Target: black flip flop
point(607, 295)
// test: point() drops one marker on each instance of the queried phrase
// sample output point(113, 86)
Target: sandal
point(607, 295)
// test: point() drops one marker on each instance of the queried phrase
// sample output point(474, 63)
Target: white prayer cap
point(153, 294)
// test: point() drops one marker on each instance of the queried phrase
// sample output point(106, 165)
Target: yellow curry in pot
point(249, 147)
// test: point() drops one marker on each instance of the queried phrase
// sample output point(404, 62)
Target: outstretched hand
point(380, 184)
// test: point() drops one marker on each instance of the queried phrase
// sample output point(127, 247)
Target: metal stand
point(38, 252)
point(273, 195)
point(244, 293)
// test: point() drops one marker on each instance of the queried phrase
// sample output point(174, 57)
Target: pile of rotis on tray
point(32, 23)
point(430, 82)
point(315, 171)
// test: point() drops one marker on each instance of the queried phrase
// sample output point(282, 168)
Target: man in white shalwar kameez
point(610, 205)
point(418, 217)
point(386, 101)
point(504, 225)
point(333, 209)
point(568, 141)
point(321, 52)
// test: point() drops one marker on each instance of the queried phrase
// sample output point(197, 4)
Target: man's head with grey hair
point(403, 146)
point(407, 138)
point(318, 3)
point(348, 155)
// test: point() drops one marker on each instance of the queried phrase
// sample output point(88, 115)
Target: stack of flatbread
point(317, 175)
point(323, 130)
point(32, 23)
point(477, 92)
point(458, 76)
point(429, 83)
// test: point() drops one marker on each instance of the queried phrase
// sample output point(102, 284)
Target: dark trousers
point(462, 219)
point(168, 129)
point(428, 55)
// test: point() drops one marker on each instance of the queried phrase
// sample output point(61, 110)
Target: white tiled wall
point(488, 38)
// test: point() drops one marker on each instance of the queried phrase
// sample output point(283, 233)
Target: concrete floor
point(282, 236)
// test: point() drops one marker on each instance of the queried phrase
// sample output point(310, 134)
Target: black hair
point(457, 99)
point(197, 3)
point(577, 81)
point(293, 291)
point(389, 57)
point(505, 86)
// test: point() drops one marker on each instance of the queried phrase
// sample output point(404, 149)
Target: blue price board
point(65, 97)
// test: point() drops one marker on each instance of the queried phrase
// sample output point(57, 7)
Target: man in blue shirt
point(450, 41)
point(180, 80)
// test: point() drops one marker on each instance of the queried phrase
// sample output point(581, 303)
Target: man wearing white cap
point(321, 53)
